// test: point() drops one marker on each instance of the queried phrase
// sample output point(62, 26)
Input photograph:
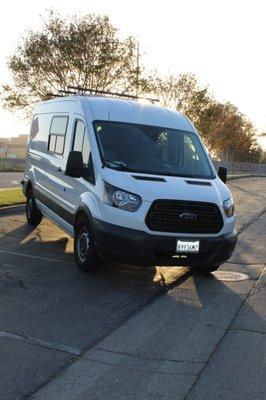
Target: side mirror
point(74, 166)
point(222, 173)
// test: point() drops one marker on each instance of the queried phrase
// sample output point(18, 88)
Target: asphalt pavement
point(10, 179)
point(132, 332)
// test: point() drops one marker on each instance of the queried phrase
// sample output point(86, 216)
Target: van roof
point(125, 110)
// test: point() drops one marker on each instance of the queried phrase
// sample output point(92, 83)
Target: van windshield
point(151, 150)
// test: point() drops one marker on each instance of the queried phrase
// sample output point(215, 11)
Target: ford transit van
point(131, 182)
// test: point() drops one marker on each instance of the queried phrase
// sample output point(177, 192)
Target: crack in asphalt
point(41, 343)
point(251, 221)
point(16, 280)
point(257, 290)
point(139, 369)
point(138, 356)
point(246, 330)
point(38, 235)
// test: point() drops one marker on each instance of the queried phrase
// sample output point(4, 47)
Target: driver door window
point(81, 142)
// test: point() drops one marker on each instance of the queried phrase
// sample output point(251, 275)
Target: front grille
point(164, 216)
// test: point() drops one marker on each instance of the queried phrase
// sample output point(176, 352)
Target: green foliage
point(86, 51)
point(81, 51)
point(226, 132)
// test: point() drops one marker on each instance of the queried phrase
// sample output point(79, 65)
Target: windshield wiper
point(120, 165)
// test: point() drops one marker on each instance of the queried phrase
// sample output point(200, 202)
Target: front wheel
point(33, 214)
point(85, 253)
point(205, 269)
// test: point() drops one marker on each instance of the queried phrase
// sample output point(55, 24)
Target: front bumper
point(116, 243)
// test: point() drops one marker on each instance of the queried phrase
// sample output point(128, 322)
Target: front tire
point(33, 214)
point(85, 254)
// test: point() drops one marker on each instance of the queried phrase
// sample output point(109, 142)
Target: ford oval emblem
point(186, 216)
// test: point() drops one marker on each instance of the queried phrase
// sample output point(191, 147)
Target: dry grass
point(9, 197)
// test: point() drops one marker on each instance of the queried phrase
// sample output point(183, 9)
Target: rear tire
point(85, 254)
point(33, 214)
point(205, 269)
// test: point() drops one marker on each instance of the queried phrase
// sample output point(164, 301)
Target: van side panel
point(45, 161)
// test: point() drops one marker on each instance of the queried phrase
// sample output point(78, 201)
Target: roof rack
point(83, 91)
point(54, 94)
point(66, 92)
point(77, 90)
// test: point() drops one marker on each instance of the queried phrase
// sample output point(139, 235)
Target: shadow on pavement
point(44, 296)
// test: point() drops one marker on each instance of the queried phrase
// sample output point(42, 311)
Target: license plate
point(187, 246)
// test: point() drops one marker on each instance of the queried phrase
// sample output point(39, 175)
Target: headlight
point(119, 198)
point(228, 206)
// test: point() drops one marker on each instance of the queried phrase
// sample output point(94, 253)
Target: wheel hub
point(83, 244)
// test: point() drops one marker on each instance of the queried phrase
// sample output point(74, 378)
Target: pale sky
point(221, 41)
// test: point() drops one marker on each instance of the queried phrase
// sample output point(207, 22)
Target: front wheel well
point(28, 188)
point(81, 214)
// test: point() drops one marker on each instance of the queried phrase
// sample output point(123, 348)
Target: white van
point(131, 182)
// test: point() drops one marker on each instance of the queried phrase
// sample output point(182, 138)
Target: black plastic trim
point(199, 183)
point(148, 178)
point(117, 243)
point(55, 207)
point(168, 214)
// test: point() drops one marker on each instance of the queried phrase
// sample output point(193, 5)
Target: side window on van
point(57, 134)
point(81, 142)
point(39, 132)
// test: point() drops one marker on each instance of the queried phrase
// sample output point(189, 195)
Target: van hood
point(170, 187)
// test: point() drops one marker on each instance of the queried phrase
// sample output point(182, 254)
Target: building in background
point(14, 147)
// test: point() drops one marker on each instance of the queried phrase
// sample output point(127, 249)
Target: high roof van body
point(131, 182)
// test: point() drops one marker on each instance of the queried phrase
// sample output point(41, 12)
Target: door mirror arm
point(88, 171)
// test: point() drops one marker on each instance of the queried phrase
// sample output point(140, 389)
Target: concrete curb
point(12, 209)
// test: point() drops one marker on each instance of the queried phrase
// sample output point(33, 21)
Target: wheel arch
point(28, 187)
point(81, 212)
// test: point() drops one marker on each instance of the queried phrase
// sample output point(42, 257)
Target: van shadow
point(49, 244)
point(46, 243)
point(84, 308)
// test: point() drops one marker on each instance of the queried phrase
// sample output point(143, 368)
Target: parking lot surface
point(132, 332)
point(10, 179)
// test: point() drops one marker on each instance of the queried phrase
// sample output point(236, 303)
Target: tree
point(81, 51)
point(182, 93)
point(226, 132)
point(87, 52)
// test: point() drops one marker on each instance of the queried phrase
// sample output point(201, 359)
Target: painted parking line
point(13, 182)
point(15, 253)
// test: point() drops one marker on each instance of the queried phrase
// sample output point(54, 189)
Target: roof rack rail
point(66, 92)
point(54, 94)
point(82, 91)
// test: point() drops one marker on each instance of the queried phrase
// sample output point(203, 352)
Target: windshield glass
point(153, 150)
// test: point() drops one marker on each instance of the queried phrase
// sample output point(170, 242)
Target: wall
point(237, 168)
point(12, 164)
